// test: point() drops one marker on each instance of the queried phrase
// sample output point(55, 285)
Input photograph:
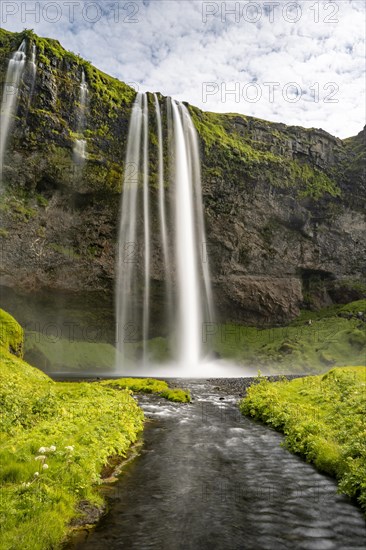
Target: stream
point(210, 479)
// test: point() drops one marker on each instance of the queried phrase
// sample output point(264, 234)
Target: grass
point(150, 385)
point(324, 420)
point(60, 354)
point(335, 337)
point(96, 421)
point(55, 439)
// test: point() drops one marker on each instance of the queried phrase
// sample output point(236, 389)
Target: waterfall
point(80, 144)
point(145, 173)
point(189, 314)
point(162, 209)
point(126, 287)
point(195, 166)
point(33, 68)
point(188, 292)
point(10, 98)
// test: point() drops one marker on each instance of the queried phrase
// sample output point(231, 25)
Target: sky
point(300, 63)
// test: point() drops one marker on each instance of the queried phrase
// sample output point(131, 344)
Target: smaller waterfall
point(80, 149)
point(10, 98)
point(80, 144)
point(33, 67)
point(32, 73)
point(33, 55)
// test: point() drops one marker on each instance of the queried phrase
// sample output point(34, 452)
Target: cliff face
point(284, 206)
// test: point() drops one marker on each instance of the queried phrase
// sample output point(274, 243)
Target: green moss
point(323, 420)
point(228, 145)
point(176, 395)
point(66, 251)
point(354, 307)
point(41, 201)
point(18, 207)
point(11, 334)
point(150, 385)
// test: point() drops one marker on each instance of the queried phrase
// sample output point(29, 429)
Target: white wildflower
point(45, 466)
point(70, 448)
point(36, 474)
point(42, 450)
point(52, 448)
point(40, 457)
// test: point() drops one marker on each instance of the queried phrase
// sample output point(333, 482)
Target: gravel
point(238, 386)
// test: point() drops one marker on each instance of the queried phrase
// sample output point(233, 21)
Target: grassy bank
point(315, 342)
point(150, 385)
point(323, 419)
point(55, 439)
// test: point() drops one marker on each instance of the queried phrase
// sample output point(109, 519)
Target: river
point(210, 479)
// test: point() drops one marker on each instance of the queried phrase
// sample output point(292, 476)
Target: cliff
point(284, 205)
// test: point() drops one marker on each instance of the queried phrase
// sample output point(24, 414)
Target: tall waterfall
point(162, 211)
point(161, 176)
point(10, 98)
point(80, 144)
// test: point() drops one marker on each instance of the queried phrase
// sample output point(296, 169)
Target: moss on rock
point(11, 334)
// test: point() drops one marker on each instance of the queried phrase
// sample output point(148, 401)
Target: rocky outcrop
point(285, 206)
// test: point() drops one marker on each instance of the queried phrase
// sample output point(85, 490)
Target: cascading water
point(33, 66)
point(187, 278)
point(146, 202)
point(10, 98)
point(126, 288)
point(80, 144)
point(189, 313)
point(162, 210)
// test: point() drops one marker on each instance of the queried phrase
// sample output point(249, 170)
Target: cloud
point(178, 47)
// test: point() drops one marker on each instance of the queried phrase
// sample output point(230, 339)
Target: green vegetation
point(323, 419)
point(52, 353)
point(221, 137)
point(150, 385)
point(336, 336)
point(18, 207)
point(55, 439)
point(11, 335)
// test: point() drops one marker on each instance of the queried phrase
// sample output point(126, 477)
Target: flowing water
point(10, 98)
point(33, 66)
point(126, 312)
point(210, 479)
point(162, 209)
point(80, 144)
point(188, 296)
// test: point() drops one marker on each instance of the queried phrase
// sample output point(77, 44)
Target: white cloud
point(170, 49)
